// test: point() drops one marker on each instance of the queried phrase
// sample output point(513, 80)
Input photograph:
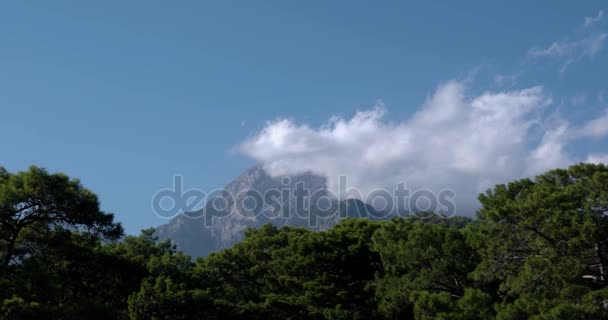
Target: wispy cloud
point(579, 99)
point(505, 79)
point(580, 44)
point(589, 46)
point(571, 51)
point(590, 21)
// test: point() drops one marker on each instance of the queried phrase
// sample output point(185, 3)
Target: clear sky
point(125, 94)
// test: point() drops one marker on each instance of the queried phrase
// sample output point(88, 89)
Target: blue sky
point(124, 95)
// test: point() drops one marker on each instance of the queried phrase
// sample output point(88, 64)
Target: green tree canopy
point(36, 201)
point(545, 242)
point(538, 250)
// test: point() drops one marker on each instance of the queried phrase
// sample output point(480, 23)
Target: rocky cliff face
point(255, 198)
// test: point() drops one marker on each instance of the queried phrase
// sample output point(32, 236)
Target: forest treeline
point(538, 249)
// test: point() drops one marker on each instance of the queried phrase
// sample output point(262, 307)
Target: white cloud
point(457, 141)
point(464, 143)
point(595, 128)
point(597, 158)
point(589, 21)
point(549, 153)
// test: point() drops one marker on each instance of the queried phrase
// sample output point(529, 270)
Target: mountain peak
point(199, 237)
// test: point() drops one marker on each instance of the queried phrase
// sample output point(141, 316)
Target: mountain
point(253, 199)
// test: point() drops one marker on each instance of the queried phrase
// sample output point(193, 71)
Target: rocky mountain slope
point(253, 199)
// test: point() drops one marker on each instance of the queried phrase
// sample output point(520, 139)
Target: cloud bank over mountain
point(456, 141)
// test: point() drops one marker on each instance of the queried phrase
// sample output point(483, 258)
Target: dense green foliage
point(538, 250)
